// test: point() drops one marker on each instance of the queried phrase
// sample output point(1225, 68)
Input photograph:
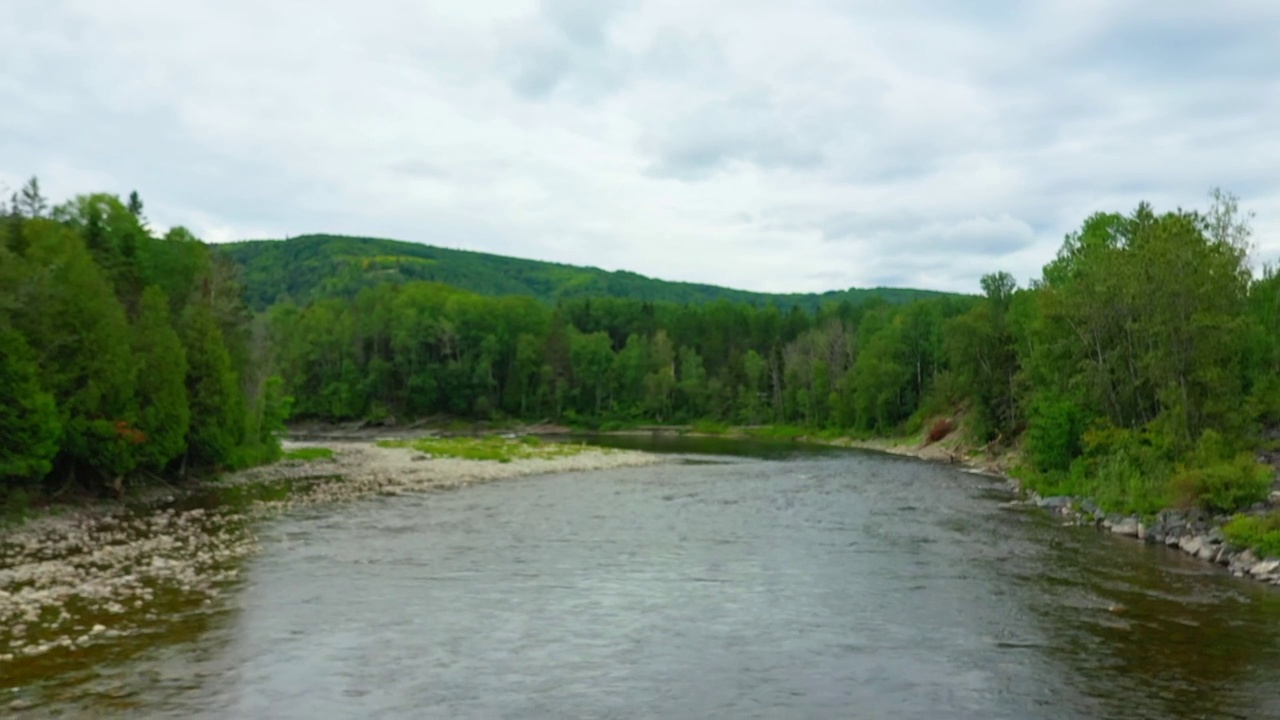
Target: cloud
point(565, 45)
point(776, 146)
point(747, 128)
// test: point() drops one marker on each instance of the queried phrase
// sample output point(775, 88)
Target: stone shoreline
point(73, 581)
point(1194, 532)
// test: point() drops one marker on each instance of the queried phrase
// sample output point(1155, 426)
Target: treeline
point(1139, 369)
point(123, 356)
point(311, 267)
point(1142, 368)
point(420, 349)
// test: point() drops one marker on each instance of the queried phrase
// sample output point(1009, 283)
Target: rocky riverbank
point(1195, 532)
point(75, 583)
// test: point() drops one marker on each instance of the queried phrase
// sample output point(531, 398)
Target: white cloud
point(770, 146)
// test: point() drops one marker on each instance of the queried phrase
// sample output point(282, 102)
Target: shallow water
point(773, 583)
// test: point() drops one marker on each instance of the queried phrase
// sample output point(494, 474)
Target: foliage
point(165, 413)
point(123, 356)
point(1138, 369)
point(1218, 478)
point(312, 267)
point(29, 425)
point(1261, 533)
point(1055, 430)
point(214, 392)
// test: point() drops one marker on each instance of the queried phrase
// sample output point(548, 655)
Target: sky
point(804, 145)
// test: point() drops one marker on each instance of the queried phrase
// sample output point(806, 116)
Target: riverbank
point(81, 579)
point(1193, 531)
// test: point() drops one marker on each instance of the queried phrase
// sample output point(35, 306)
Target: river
point(739, 581)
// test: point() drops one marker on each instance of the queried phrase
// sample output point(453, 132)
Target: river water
point(738, 581)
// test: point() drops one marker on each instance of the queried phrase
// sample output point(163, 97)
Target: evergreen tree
point(164, 415)
point(217, 405)
point(31, 203)
point(81, 338)
point(29, 426)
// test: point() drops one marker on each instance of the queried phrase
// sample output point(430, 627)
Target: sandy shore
point(78, 579)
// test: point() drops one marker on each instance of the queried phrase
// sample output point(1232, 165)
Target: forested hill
point(309, 267)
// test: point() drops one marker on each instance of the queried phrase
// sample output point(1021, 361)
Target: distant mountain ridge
point(308, 267)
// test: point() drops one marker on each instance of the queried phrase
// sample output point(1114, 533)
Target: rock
point(1057, 502)
point(1191, 544)
point(1264, 568)
point(1242, 562)
point(1142, 531)
point(1126, 526)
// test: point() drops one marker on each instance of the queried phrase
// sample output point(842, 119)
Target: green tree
point(164, 415)
point(29, 426)
point(217, 405)
point(82, 341)
point(30, 202)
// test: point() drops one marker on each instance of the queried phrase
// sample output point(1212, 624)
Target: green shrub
point(1123, 471)
point(1261, 533)
point(1055, 427)
point(1224, 486)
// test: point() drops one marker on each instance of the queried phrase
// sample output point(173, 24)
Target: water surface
point(776, 582)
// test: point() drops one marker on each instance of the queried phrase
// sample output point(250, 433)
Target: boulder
point(1191, 544)
point(1264, 568)
point(1128, 527)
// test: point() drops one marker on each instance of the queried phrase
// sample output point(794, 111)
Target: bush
point(1261, 533)
point(1055, 427)
point(1124, 471)
point(1225, 486)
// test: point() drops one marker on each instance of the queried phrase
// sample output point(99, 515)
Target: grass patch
point(492, 448)
point(709, 427)
point(1260, 533)
point(316, 453)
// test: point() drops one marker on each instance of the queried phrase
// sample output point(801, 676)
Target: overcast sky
point(789, 145)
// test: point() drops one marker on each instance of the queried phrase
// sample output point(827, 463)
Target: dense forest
point(1142, 368)
point(311, 267)
point(124, 357)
